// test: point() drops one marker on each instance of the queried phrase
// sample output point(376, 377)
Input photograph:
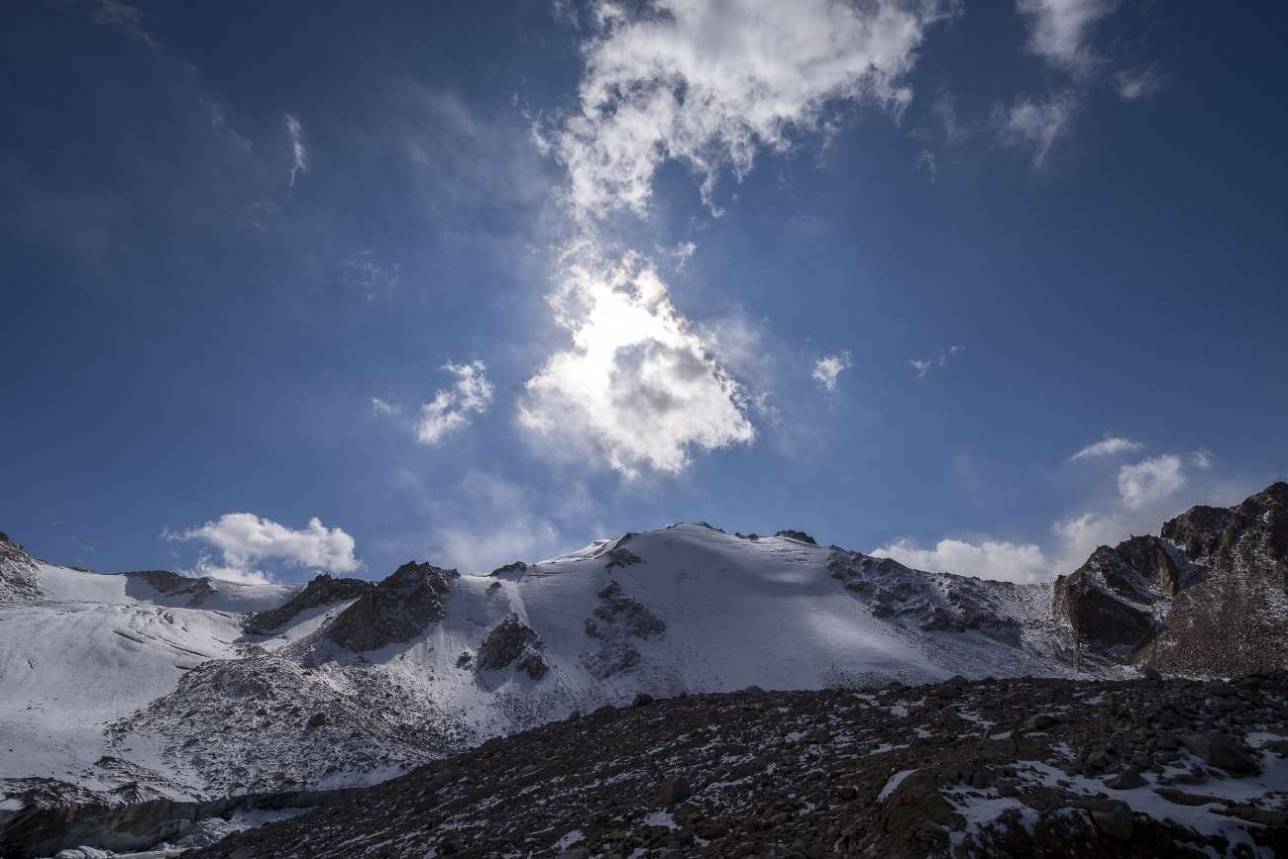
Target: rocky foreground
point(1018, 767)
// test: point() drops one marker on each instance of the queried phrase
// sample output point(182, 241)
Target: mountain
point(1207, 597)
point(151, 686)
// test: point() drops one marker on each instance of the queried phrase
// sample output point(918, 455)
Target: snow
point(893, 784)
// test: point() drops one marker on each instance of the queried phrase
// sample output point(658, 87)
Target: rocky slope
point(1208, 597)
point(18, 572)
point(1024, 767)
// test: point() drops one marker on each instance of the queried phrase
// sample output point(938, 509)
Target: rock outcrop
point(929, 601)
point(396, 610)
point(512, 643)
point(323, 590)
point(1208, 597)
point(18, 579)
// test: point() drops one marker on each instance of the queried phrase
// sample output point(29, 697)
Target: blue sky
point(480, 282)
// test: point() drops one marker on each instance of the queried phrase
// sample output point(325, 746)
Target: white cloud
point(1036, 124)
point(1109, 446)
point(708, 84)
point(1150, 480)
point(638, 383)
point(939, 358)
point(299, 155)
point(385, 409)
point(1201, 459)
point(453, 408)
point(1137, 84)
point(829, 367)
point(245, 540)
point(990, 559)
point(1058, 29)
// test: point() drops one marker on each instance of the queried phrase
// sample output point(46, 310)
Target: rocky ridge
point(1175, 602)
point(398, 609)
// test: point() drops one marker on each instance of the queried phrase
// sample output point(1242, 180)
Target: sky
point(293, 288)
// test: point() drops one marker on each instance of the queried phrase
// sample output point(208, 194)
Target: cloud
point(126, 18)
point(638, 384)
point(362, 272)
point(453, 408)
point(487, 521)
point(1150, 480)
point(939, 358)
point(1137, 84)
point(989, 559)
point(1108, 446)
point(1035, 124)
point(829, 367)
point(245, 540)
point(299, 155)
point(709, 84)
point(385, 409)
point(1058, 29)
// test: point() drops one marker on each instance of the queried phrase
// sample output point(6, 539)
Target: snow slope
point(92, 648)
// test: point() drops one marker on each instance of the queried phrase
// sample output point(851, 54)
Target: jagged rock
point(930, 601)
point(512, 642)
point(508, 569)
point(322, 590)
point(1171, 603)
point(18, 579)
point(397, 609)
point(798, 536)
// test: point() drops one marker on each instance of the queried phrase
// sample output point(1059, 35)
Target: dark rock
point(1223, 751)
point(323, 590)
point(1113, 818)
point(674, 790)
point(642, 699)
point(512, 641)
point(798, 536)
point(397, 609)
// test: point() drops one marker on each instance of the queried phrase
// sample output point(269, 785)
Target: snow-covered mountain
point(120, 688)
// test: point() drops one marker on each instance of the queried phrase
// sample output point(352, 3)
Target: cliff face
point(18, 580)
point(397, 609)
point(1209, 596)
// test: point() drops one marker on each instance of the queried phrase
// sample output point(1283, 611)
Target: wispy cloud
point(1059, 29)
point(124, 17)
point(1138, 84)
point(938, 359)
point(1036, 124)
point(299, 155)
point(1108, 446)
point(245, 540)
point(361, 271)
point(454, 407)
point(828, 368)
